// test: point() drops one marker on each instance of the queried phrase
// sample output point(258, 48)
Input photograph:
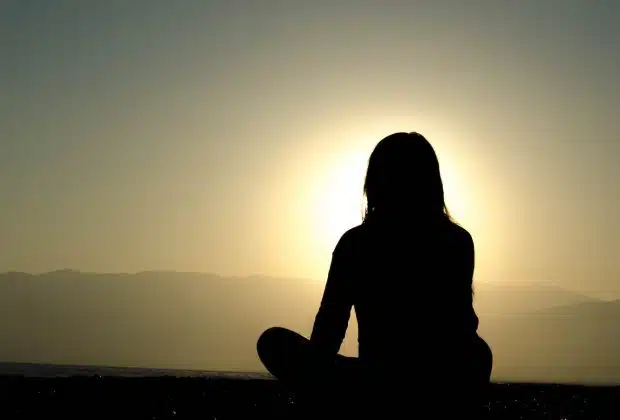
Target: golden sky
point(231, 137)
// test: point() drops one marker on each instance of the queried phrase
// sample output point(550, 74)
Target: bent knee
point(485, 357)
point(485, 351)
point(266, 340)
point(277, 340)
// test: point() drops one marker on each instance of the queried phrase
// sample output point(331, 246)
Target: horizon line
point(213, 273)
point(267, 376)
point(131, 273)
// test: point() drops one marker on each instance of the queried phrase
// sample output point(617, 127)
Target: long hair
point(403, 179)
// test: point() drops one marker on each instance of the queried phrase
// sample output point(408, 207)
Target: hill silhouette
point(514, 298)
point(166, 319)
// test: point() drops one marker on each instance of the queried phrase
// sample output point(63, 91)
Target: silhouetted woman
point(407, 270)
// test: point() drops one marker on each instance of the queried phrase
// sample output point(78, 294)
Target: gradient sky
point(230, 136)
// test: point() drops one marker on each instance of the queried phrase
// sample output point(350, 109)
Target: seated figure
point(407, 270)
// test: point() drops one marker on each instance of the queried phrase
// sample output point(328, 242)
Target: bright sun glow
point(340, 198)
point(334, 203)
point(454, 190)
point(340, 202)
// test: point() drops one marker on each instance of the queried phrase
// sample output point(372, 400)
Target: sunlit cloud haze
point(231, 136)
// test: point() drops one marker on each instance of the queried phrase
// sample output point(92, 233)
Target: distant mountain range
point(503, 299)
point(160, 319)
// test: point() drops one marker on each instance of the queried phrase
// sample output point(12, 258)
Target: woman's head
point(403, 179)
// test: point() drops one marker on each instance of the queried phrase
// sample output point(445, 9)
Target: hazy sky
point(230, 136)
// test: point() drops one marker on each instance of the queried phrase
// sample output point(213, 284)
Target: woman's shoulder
point(459, 234)
point(459, 240)
point(362, 234)
point(352, 237)
point(355, 241)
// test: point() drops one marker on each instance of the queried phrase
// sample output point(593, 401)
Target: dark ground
point(208, 398)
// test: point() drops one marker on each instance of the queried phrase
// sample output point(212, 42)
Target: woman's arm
point(332, 319)
point(468, 266)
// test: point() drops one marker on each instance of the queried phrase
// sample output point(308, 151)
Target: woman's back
point(408, 281)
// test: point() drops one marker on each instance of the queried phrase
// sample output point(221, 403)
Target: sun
point(456, 192)
point(324, 185)
point(339, 200)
